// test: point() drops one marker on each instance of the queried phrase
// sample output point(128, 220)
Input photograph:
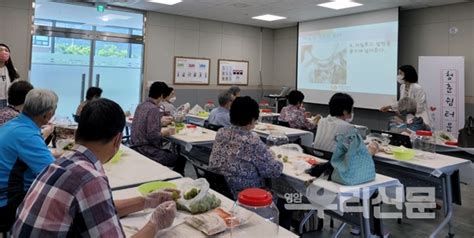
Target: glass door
point(117, 69)
point(62, 65)
point(76, 46)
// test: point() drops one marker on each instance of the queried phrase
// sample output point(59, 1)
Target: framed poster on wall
point(232, 72)
point(190, 70)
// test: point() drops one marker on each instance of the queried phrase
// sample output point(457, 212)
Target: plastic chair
point(212, 126)
point(216, 181)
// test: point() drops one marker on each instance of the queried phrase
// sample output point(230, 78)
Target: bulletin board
point(442, 78)
point(232, 72)
point(191, 71)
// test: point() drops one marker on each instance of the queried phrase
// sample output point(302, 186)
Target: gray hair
point(234, 90)
point(40, 101)
point(407, 105)
point(224, 98)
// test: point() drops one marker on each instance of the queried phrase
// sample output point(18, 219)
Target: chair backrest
point(317, 152)
point(395, 138)
point(75, 117)
point(281, 123)
point(212, 126)
point(216, 181)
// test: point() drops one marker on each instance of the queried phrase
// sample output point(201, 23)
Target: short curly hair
point(243, 111)
point(17, 92)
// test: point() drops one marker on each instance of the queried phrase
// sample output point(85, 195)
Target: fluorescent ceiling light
point(166, 2)
point(269, 17)
point(340, 4)
point(111, 17)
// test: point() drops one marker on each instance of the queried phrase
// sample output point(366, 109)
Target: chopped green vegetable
point(175, 195)
point(191, 193)
point(210, 201)
point(279, 156)
point(69, 146)
point(285, 159)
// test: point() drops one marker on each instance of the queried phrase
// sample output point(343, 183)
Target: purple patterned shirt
point(296, 118)
point(7, 113)
point(243, 159)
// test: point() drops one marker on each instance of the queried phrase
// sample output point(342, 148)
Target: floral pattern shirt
point(243, 159)
point(296, 118)
point(7, 113)
point(146, 128)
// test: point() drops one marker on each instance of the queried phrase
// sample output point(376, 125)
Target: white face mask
point(172, 100)
point(400, 79)
point(350, 118)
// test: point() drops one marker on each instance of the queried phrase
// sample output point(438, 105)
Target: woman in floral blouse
point(147, 133)
point(239, 154)
point(294, 113)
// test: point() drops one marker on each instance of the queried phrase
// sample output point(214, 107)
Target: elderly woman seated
point(406, 121)
point(147, 132)
point(295, 113)
point(239, 154)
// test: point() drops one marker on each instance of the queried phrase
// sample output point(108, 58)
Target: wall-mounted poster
point(189, 70)
point(233, 72)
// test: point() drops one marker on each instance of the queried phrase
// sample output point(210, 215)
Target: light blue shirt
point(220, 116)
point(23, 155)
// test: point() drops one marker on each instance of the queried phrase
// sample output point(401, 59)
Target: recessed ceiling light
point(269, 17)
point(340, 4)
point(167, 2)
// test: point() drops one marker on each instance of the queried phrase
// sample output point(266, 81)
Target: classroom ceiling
point(242, 11)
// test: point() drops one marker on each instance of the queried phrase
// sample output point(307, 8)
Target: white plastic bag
point(196, 109)
point(202, 202)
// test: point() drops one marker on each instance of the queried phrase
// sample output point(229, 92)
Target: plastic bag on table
point(196, 109)
point(196, 197)
point(184, 108)
point(287, 151)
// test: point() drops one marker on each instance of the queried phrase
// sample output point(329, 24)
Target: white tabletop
point(435, 164)
point(134, 168)
point(188, 138)
point(265, 129)
point(135, 221)
point(332, 189)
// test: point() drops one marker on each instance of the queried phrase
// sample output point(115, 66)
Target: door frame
point(93, 36)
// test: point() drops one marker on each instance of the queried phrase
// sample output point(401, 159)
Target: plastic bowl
point(116, 157)
point(403, 153)
point(148, 188)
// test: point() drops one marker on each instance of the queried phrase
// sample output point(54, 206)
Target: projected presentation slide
point(359, 59)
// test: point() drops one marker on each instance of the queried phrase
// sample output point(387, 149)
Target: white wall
point(423, 32)
point(169, 35)
point(15, 28)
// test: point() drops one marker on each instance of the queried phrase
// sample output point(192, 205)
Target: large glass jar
point(255, 205)
point(424, 141)
point(277, 139)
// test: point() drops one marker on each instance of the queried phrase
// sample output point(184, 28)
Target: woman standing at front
point(7, 73)
point(408, 78)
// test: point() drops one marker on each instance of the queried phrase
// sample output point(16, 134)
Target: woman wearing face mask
point(166, 105)
point(338, 122)
point(408, 78)
point(8, 73)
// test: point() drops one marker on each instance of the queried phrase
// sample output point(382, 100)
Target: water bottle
point(424, 141)
point(255, 205)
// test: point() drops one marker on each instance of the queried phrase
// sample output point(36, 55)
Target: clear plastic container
point(253, 202)
point(277, 139)
point(424, 141)
point(209, 106)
